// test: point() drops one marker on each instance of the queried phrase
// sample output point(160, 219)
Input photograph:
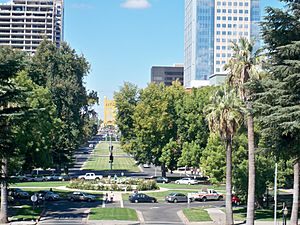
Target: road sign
point(34, 198)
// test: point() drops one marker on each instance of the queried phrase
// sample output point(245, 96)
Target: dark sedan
point(162, 180)
point(141, 198)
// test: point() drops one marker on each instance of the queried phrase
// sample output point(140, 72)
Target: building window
point(246, 3)
point(240, 11)
point(246, 18)
point(229, 10)
point(246, 33)
point(218, 62)
point(229, 3)
point(218, 39)
point(246, 11)
point(218, 17)
point(235, 18)
point(223, 40)
point(218, 10)
point(218, 32)
point(218, 55)
point(223, 62)
point(218, 3)
point(223, 47)
point(234, 11)
point(229, 25)
point(241, 4)
point(224, 25)
point(229, 18)
point(217, 69)
point(223, 10)
point(223, 32)
point(224, 3)
point(229, 55)
point(224, 18)
point(240, 18)
point(218, 47)
point(223, 55)
point(229, 33)
point(218, 25)
point(235, 3)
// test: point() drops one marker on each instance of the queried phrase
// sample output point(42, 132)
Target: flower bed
point(114, 185)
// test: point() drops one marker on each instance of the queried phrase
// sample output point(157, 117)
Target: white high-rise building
point(210, 28)
point(25, 23)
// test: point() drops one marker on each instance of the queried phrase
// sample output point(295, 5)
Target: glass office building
point(210, 28)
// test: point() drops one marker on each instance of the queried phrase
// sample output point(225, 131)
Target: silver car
point(176, 197)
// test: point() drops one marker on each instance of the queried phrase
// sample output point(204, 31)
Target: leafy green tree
point(280, 96)
point(62, 71)
point(126, 100)
point(12, 109)
point(244, 66)
point(225, 117)
point(190, 155)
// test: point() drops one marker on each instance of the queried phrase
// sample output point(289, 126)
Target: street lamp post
point(284, 214)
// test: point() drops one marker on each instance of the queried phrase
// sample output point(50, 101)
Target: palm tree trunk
point(3, 211)
point(251, 168)
point(229, 215)
point(294, 216)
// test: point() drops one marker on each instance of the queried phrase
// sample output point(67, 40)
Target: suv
point(18, 193)
point(81, 196)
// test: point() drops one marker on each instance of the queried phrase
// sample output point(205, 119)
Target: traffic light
point(111, 158)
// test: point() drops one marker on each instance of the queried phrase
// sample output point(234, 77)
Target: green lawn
point(40, 184)
point(160, 196)
point(193, 187)
point(26, 213)
point(103, 149)
point(196, 214)
point(240, 214)
point(100, 160)
point(113, 214)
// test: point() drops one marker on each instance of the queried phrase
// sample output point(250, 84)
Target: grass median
point(46, 184)
point(196, 215)
point(113, 214)
point(99, 160)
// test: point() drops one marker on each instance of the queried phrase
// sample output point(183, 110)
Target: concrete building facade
point(210, 28)
point(25, 23)
point(167, 74)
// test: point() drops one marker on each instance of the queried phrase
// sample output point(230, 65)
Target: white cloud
point(136, 4)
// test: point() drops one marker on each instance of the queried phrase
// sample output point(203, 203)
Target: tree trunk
point(163, 170)
point(3, 211)
point(251, 168)
point(229, 215)
point(294, 216)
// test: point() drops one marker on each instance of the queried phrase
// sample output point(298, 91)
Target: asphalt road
point(66, 212)
point(166, 213)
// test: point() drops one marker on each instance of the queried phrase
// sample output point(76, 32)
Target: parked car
point(207, 194)
point(176, 197)
point(162, 180)
point(54, 177)
point(18, 193)
point(81, 196)
point(235, 200)
point(186, 180)
point(146, 165)
point(37, 178)
point(141, 198)
point(48, 195)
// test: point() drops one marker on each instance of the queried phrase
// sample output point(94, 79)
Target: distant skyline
point(122, 39)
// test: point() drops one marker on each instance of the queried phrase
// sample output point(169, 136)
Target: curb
point(183, 218)
point(140, 217)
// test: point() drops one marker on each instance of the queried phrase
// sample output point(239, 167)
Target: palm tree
point(225, 117)
point(243, 67)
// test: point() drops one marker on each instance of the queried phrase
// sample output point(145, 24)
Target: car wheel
point(189, 183)
point(204, 199)
point(153, 200)
point(164, 182)
point(97, 179)
point(220, 198)
point(175, 200)
point(89, 200)
point(50, 199)
point(72, 199)
point(136, 201)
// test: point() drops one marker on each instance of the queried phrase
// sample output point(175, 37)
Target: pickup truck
point(208, 194)
point(90, 176)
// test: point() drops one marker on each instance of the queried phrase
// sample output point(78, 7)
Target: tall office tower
point(167, 74)
point(210, 28)
point(25, 23)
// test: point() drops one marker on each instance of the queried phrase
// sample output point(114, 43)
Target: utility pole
point(111, 157)
point(275, 196)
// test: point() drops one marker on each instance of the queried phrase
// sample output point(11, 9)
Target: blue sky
point(122, 39)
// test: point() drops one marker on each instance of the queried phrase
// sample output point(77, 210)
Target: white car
point(186, 180)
